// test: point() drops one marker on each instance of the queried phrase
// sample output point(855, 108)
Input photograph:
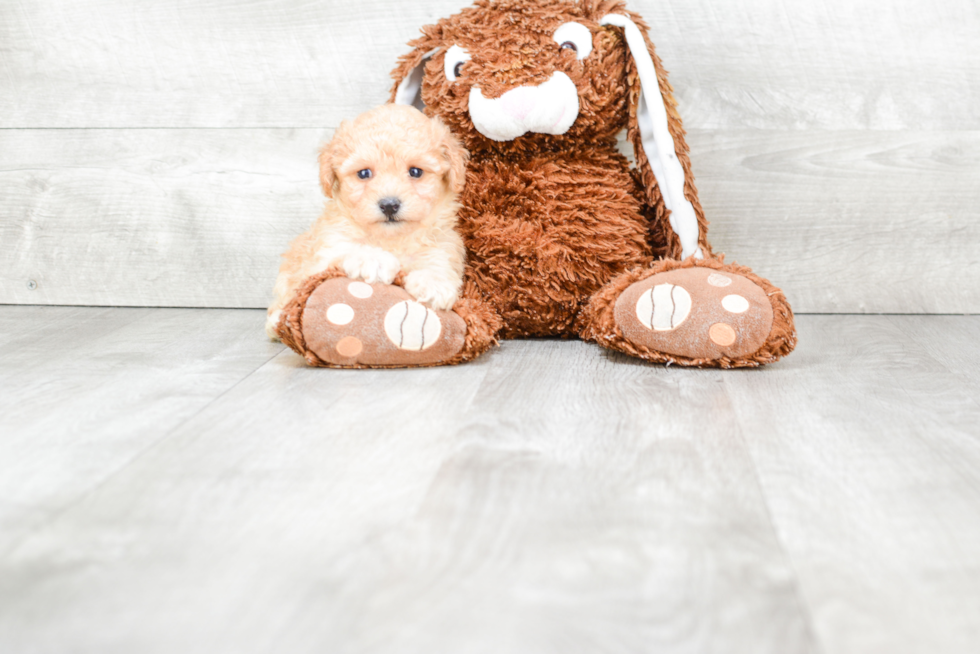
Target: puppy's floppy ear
point(454, 154)
point(331, 155)
point(658, 139)
point(410, 72)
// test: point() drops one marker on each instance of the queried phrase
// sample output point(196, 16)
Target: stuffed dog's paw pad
point(349, 347)
point(340, 314)
point(735, 304)
point(664, 307)
point(695, 312)
point(360, 290)
point(722, 334)
point(718, 280)
point(412, 326)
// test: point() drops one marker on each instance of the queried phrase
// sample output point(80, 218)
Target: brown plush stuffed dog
point(563, 238)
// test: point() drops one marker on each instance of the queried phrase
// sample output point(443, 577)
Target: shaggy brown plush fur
point(550, 220)
point(558, 226)
point(513, 41)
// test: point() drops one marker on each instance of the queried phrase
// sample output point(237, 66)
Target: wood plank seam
point(802, 603)
point(62, 511)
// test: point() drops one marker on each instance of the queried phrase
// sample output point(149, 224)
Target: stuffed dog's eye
point(575, 37)
point(455, 58)
point(365, 174)
point(415, 172)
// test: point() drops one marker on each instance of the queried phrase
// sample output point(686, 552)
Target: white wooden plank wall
point(162, 154)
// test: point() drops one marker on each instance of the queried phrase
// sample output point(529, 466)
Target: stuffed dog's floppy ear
point(410, 72)
point(656, 132)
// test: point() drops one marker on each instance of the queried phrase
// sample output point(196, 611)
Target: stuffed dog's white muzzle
point(550, 108)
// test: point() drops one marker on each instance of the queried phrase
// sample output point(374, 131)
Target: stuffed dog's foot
point(337, 322)
point(348, 323)
point(701, 313)
point(696, 313)
point(352, 324)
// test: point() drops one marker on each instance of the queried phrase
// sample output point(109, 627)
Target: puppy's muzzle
point(389, 207)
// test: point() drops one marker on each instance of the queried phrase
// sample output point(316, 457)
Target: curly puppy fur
point(556, 226)
point(393, 178)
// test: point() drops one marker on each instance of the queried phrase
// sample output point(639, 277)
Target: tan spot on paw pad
point(722, 334)
point(349, 347)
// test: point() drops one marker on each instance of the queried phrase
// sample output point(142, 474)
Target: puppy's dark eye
point(365, 174)
point(568, 45)
point(458, 69)
point(415, 172)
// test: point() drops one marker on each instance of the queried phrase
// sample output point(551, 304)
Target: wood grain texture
point(84, 392)
point(867, 443)
point(771, 64)
point(856, 222)
point(152, 217)
point(549, 497)
point(849, 222)
point(592, 503)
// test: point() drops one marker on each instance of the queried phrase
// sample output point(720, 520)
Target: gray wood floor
point(171, 482)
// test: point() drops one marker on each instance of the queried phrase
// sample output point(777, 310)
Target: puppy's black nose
point(389, 207)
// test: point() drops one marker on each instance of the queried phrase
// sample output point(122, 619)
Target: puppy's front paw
point(272, 325)
point(433, 289)
point(372, 265)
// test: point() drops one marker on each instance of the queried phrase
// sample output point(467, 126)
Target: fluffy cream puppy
point(393, 178)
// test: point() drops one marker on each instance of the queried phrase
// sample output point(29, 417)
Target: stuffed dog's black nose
point(389, 207)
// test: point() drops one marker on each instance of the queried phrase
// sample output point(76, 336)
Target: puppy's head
point(393, 167)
